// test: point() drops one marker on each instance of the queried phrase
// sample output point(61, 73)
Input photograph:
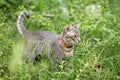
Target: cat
point(42, 42)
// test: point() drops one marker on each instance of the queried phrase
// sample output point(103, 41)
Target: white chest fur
point(68, 54)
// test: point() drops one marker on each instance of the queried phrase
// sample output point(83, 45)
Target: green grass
point(97, 57)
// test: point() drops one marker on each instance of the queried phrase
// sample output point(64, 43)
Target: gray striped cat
point(55, 47)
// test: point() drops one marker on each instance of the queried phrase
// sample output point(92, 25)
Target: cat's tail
point(20, 20)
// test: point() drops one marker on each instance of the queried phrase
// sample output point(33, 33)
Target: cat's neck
point(64, 44)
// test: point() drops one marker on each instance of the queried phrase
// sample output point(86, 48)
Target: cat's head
point(71, 34)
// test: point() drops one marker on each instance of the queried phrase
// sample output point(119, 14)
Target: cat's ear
point(77, 25)
point(65, 30)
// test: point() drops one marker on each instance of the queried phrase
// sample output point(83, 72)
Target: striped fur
point(71, 35)
point(20, 24)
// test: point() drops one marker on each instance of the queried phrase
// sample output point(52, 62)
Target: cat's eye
point(75, 36)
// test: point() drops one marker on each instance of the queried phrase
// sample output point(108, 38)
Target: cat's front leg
point(54, 62)
point(54, 66)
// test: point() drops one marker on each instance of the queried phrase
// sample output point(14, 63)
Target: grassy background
point(97, 57)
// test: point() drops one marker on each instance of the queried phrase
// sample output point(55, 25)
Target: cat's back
point(43, 35)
